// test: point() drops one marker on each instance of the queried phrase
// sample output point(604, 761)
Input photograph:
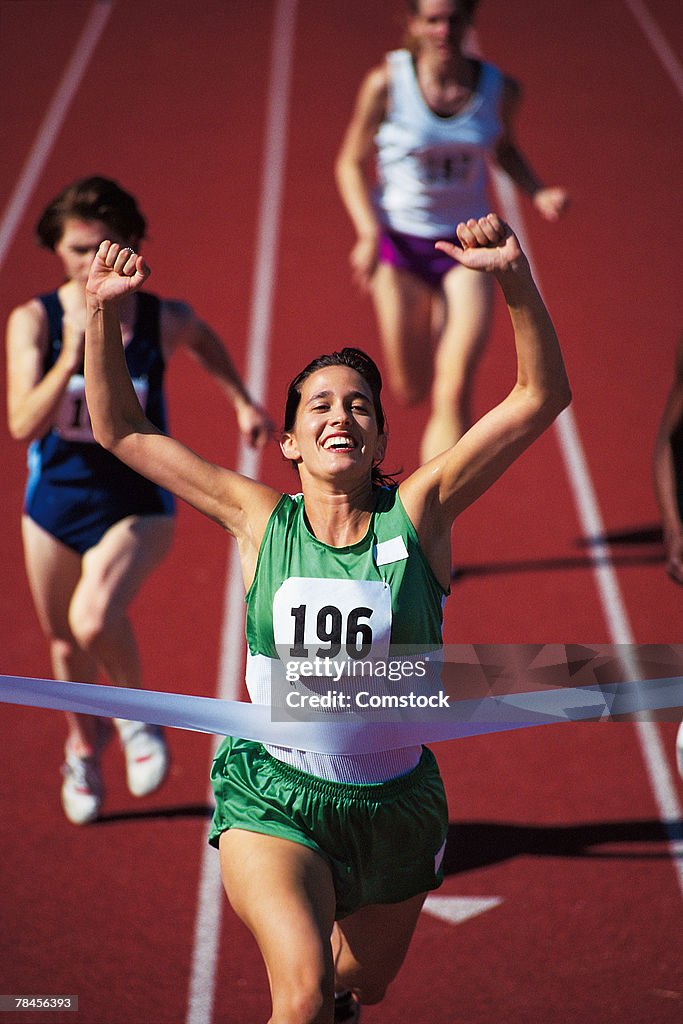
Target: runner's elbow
point(24, 427)
point(19, 430)
point(563, 396)
point(110, 435)
point(105, 438)
point(554, 401)
point(540, 408)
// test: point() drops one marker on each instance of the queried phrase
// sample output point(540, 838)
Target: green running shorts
point(383, 842)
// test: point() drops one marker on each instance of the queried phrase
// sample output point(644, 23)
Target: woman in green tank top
point(333, 890)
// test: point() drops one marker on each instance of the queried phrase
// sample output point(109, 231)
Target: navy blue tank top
point(67, 454)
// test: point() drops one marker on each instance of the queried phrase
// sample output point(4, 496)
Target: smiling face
point(79, 242)
point(335, 434)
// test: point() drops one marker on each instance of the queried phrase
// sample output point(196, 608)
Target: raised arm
point(665, 472)
point(240, 505)
point(352, 177)
point(33, 397)
point(441, 489)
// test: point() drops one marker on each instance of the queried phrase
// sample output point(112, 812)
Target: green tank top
point(371, 599)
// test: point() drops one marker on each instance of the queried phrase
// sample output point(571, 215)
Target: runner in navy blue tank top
point(92, 528)
point(76, 491)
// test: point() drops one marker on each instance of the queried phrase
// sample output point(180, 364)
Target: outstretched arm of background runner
point(351, 173)
point(181, 327)
point(240, 505)
point(551, 201)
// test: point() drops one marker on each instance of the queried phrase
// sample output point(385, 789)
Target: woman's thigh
point(284, 893)
point(115, 568)
point(404, 310)
point(53, 572)
point(469, 308)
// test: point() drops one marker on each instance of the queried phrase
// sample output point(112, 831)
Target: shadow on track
point(647, 536)
point(155, 814)
point(478, 844)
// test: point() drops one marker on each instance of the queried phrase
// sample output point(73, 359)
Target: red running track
point(562, 825)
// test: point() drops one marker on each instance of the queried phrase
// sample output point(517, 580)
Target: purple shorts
point(416, 255)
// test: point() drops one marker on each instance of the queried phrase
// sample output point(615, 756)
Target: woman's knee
point(299, 1005)
point(408, 389)
point(63, 650)
point(89, 623)
point(451, 399)
point(302, 995)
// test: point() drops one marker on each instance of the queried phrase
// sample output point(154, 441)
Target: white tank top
point(432, 170)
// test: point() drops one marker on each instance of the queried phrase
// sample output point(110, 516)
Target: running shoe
point(346, 1008)
point(147, 758)
point(679, 749)
point(82, 789)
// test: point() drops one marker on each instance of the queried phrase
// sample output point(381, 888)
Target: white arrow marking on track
point(457, 909)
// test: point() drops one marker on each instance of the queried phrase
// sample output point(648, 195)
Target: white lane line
point(52, 123)
point(659, 43)
point(613, 605)
point(210, 897)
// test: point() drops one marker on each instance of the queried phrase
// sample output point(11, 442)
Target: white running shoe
point(679, 749)
point(82, 790)
point(147, 758)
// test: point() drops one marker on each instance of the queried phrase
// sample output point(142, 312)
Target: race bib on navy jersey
point(338, 619)
point(73, 419)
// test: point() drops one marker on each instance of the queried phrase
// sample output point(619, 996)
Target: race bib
point(340, 619)
point(443, 168)
point(73, 419)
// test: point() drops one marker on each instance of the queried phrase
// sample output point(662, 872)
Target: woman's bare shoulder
point(29, 320)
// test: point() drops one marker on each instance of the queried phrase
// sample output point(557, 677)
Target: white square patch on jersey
point(393, 550)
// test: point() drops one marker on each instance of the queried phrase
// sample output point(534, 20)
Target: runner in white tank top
point(433, 116)
point(432, 168)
